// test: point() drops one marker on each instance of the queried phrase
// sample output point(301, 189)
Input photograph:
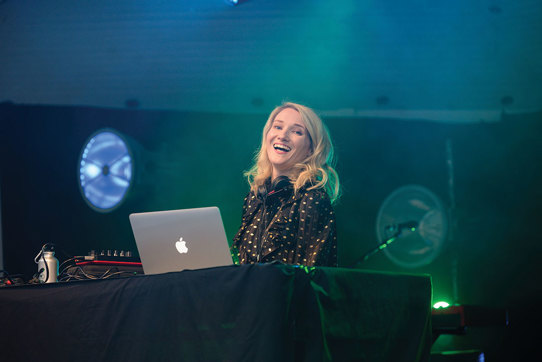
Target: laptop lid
point(180, 239)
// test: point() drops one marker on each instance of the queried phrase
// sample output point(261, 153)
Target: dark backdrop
point(186, 160)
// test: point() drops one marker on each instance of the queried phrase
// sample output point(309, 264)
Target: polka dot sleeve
point(317, 239)
point(234, 247)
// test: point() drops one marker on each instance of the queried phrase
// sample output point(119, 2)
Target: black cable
point(119, 273)
point(45, 262)
point(66, 261)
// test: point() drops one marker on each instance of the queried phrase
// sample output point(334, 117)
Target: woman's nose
point(283, 134)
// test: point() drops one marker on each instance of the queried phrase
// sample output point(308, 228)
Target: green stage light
point(441, 305)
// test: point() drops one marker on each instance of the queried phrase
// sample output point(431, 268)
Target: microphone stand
point(380, 246)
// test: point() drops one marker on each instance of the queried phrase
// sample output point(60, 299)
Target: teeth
point(281, 147)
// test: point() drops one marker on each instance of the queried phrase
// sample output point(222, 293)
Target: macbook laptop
point(180, 239)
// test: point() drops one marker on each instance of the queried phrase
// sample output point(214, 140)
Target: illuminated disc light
point(105, 171)
point(419, 246)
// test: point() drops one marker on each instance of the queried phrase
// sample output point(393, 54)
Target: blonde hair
point(317, 169)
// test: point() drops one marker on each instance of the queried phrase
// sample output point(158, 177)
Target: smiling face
point(287, 141)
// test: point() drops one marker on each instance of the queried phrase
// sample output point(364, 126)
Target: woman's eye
point(278, 127)
point(299, 133)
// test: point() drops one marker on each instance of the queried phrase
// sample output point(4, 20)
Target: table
point(264, 312)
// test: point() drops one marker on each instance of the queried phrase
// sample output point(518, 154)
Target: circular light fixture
point(419, 246)
point(105, 170)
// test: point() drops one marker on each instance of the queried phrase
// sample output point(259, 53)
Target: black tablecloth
point(238, 313)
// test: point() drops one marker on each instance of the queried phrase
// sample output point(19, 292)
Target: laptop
point(175, 240)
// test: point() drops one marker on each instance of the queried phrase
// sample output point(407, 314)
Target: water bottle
point(47, 266)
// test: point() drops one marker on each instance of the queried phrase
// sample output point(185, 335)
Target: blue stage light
point(105, 170)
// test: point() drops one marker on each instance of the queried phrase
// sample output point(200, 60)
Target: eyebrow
point(295, 124)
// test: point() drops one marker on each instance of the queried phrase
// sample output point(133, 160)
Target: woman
point(287, 215)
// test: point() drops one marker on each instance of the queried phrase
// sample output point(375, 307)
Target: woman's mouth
point(281, 147)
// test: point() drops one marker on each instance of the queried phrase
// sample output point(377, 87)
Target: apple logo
point(181, 246)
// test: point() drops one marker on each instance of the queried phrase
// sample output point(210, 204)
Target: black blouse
point(295, 228)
